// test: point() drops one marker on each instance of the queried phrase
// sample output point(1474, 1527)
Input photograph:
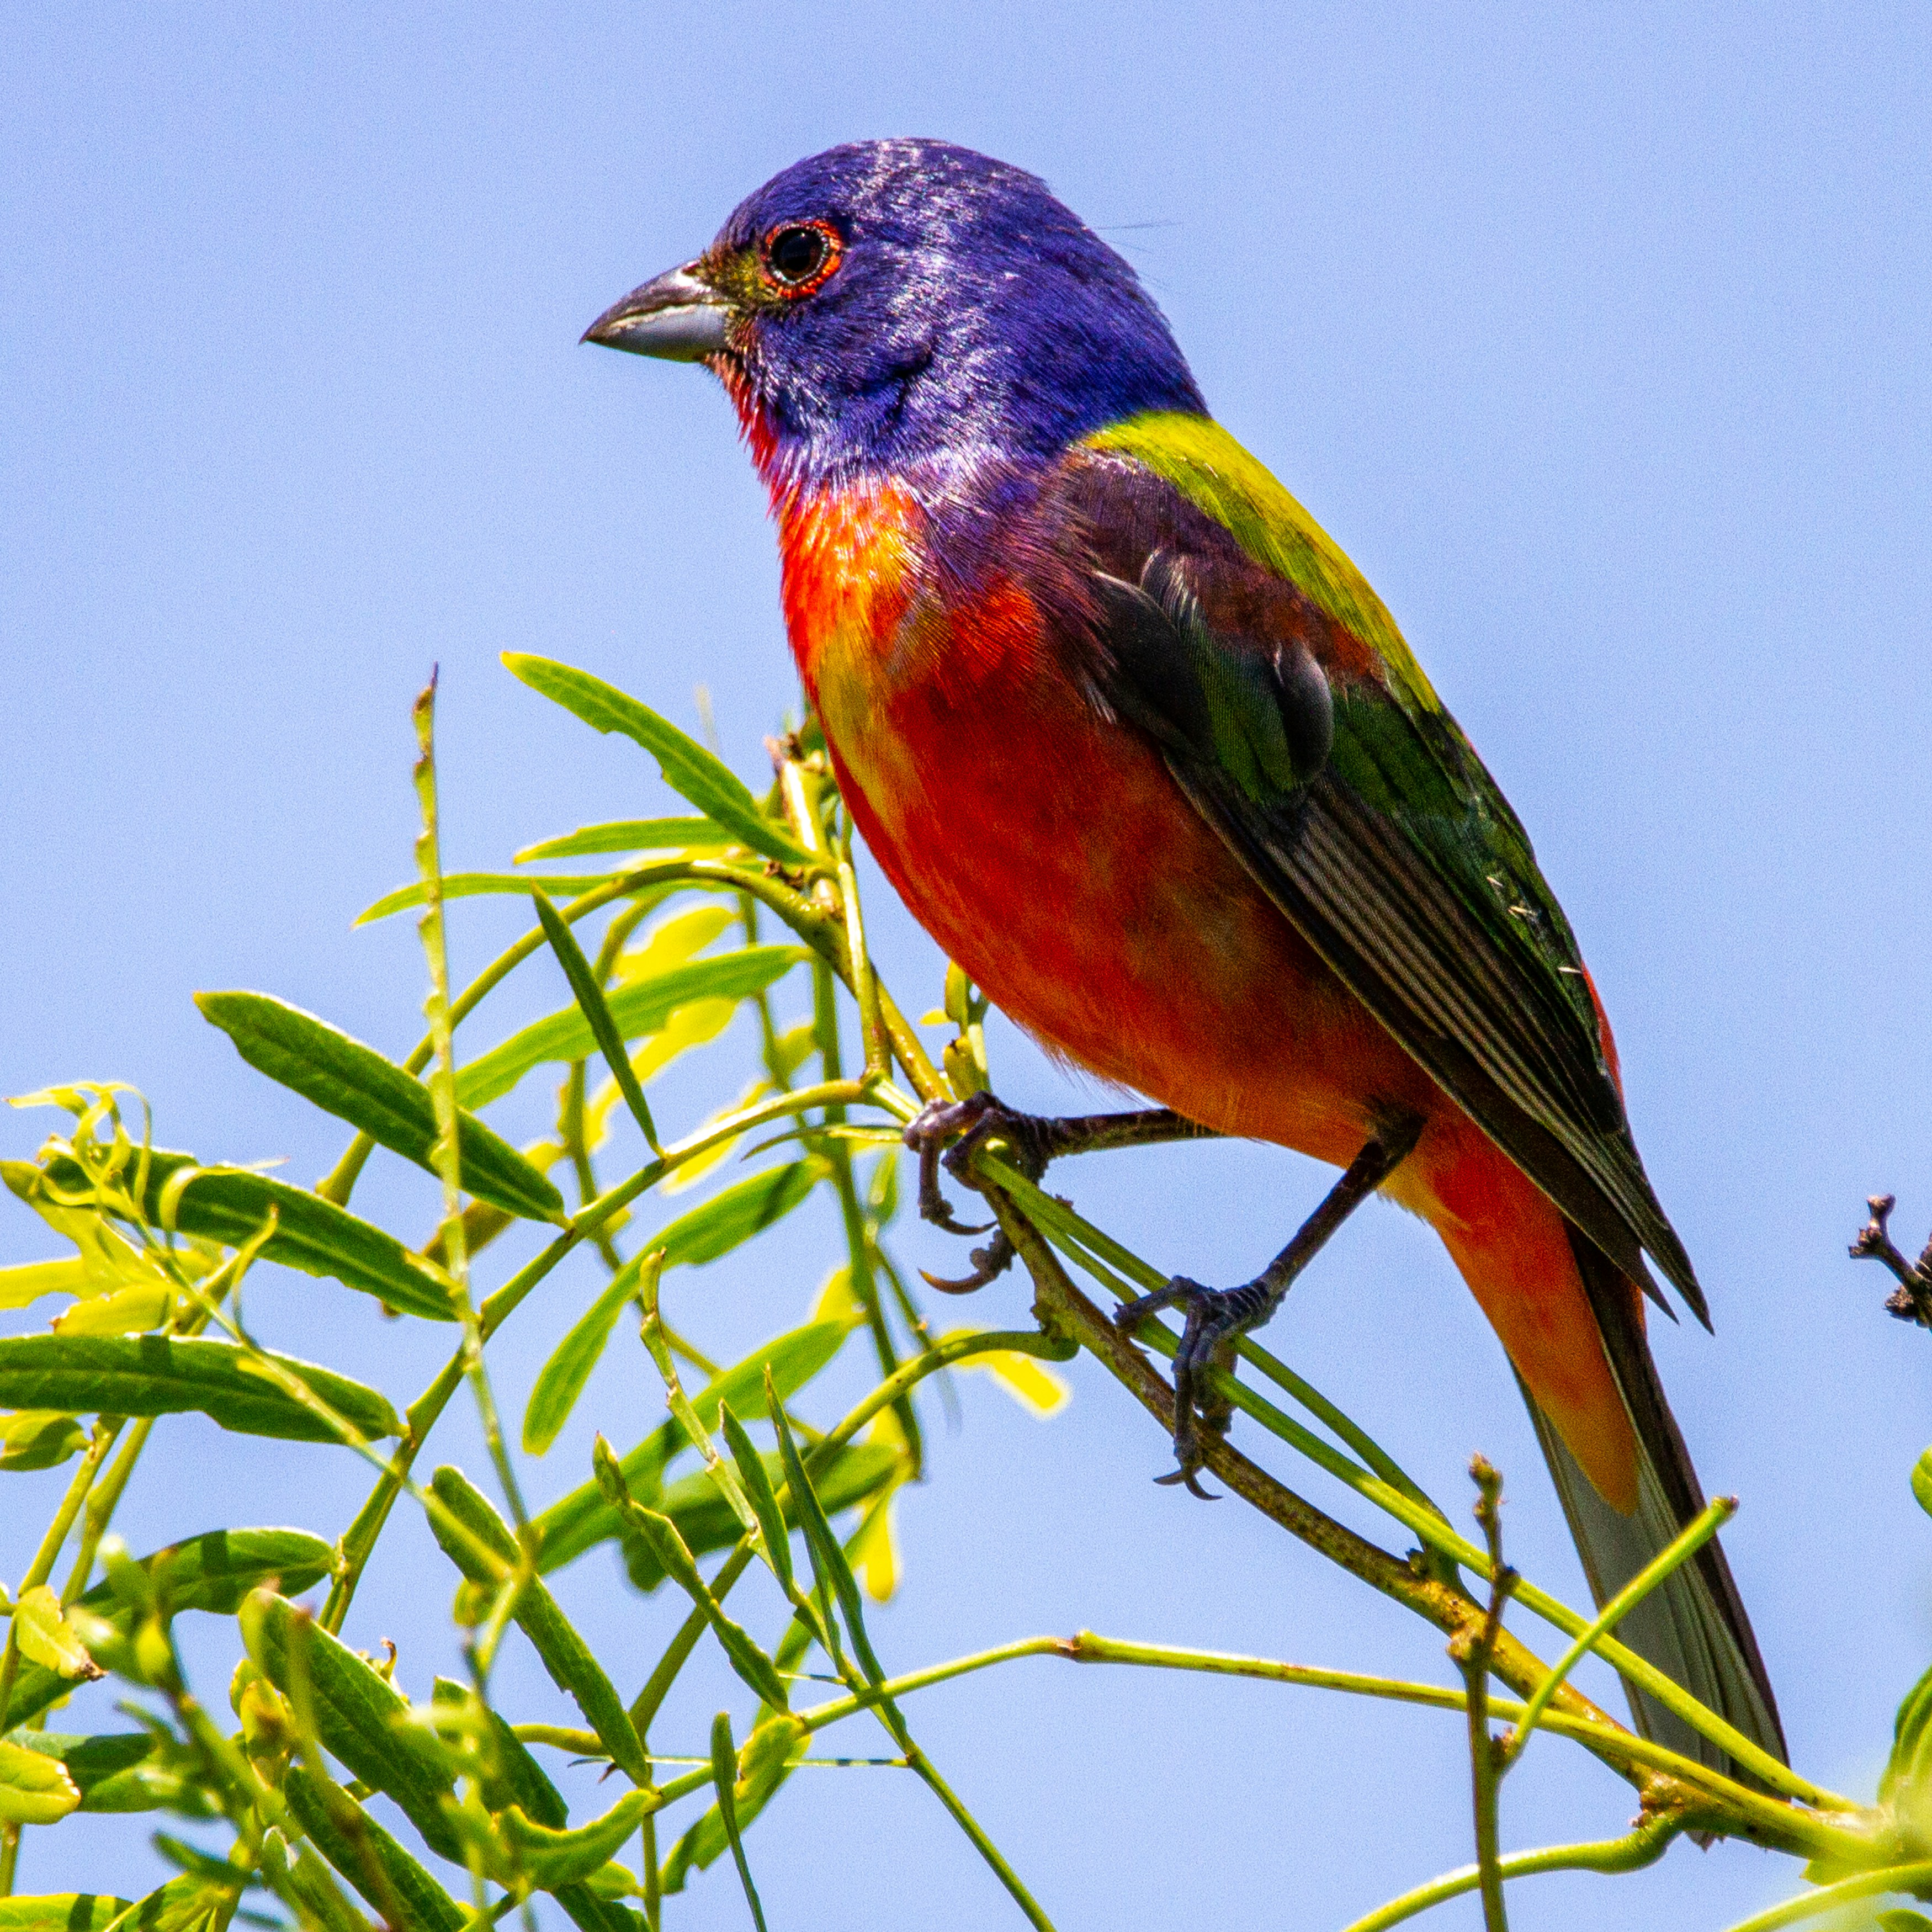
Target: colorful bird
point(1143, 751)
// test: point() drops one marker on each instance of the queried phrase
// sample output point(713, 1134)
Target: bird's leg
point(1034, 1140)
point(1217, 1318)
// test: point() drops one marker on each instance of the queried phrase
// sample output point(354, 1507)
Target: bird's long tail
point(1693, 1627)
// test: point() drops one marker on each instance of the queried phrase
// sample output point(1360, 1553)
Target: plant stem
point(1475, 1657)
point(1643, 1847)
point(1913, 1878)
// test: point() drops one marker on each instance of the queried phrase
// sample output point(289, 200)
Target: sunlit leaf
point(1029, 1382)
point(44, 1637)
point(642, 1008)
point(29, 1280)
point(38, 1439)
point(358, 1085)
point(688, 769)
point(477, 885)
point(673, 941)
point(231, 1204)
point(731, 1218)
point(34, 1790)
point(128, 1311)
point(874, 1554)
point(627, 835)
point(63, 1912)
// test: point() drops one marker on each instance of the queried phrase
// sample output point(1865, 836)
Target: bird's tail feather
point(1693, 1627)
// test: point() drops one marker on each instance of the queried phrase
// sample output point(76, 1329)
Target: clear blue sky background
point(1599, 341)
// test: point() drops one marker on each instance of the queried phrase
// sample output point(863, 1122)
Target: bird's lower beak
point(678, 316)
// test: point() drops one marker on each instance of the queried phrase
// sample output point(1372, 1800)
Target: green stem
point(1643, 1847)
point(1688, 1542)
point(1916, 1879)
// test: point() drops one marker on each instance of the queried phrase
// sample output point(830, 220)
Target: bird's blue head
point(888, 307)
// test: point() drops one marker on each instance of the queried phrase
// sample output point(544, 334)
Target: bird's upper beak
point(679, 316)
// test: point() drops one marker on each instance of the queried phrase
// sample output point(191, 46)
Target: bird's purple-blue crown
point(969, 312)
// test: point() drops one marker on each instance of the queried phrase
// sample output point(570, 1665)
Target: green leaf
point(643, 1007)
point(43, 1637)
point(555, 1858)
point(191, 1904)
point(1921, 1481)
point(519, 1779)
point(35, 1789)
point(356, 1084)
point(731, 1218)
point(688, 769)
point(766, 1764)
point(705, 1520)
point(26, 1282)
point(230, 1204)
point(725, 1777)
point(582, 1518)
point(722, 1223)
point(363, 1721)
point(1900, 1920)
point(344, 1832)
point(479, 885)
point(568, 1658)
point(213, 1572)
point(627, 835)
point(660, 1534)
point(562, 1379)
point(38, 1439)
point(812, 1506)
point(120, 1771)
point(771, 1526)
point(159, 1375)
point(590, 1003)
point(63, 1912)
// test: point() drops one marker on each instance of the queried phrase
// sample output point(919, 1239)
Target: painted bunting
point(1144, 752)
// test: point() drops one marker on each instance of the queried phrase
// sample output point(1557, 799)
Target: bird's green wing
point(1228, 625)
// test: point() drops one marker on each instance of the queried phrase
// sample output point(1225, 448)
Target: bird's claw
point(950, 1131)
point(1216, 1317)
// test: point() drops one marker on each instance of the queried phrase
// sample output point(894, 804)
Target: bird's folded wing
point(1323, 759)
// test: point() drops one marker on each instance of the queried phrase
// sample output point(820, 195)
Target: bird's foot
point(952, 1131)
point(1216, 1318)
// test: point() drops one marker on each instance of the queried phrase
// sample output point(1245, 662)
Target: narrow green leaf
point(660, 1535)
point(1900, 1920)
point(348, 1838)
point(688, 769)
point(582, 1518)
point(590, 1002)
point(159, 1375)
point(562, 1379)
point(37, 1438)
point(521, 1780)
point(1921, 1482)
point(627, 835)
point(230, 1204)
point(705, 1520)
point(554, 1858)
point(644, 1006)
point(313, 1890)
point(724, 1776)
point(363, 1721)
point(184, 1904)
point(62, 1912)
point(763, 1499)
point(731, 1217)
point(568, 1658)
point(479, 885)
point(767, 1763)
point(120, 1771)
point(358, 1085)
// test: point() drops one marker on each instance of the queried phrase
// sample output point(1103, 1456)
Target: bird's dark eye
point(800, 256)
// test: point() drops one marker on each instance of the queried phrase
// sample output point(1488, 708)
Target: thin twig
point(1474, 1656)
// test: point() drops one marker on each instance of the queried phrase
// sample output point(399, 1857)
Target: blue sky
point(1596, 336)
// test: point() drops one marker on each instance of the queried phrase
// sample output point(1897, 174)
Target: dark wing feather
point(1375, 828)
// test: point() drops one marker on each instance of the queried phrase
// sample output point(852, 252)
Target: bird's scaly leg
point(1034, 1140)
point(1217, 1318)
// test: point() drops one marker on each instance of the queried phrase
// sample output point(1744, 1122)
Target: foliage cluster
point(153, 1327)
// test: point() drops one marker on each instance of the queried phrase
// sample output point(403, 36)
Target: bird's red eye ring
point(799, 257)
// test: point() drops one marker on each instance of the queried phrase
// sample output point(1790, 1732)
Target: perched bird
point(1141, 749)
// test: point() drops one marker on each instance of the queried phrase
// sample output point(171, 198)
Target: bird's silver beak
point(678, 316)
